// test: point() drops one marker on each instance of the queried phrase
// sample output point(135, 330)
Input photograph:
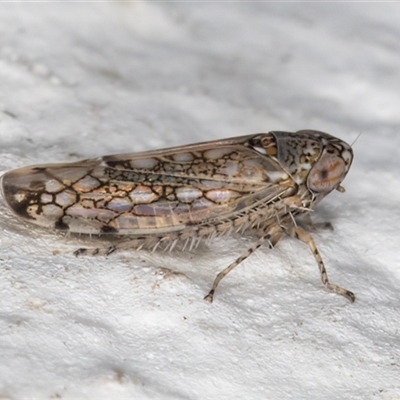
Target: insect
point(264, 183)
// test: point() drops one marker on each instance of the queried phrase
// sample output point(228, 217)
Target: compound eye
point(326, 174)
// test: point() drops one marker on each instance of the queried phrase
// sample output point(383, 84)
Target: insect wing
point(151, 192)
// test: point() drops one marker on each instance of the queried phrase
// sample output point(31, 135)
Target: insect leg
point(135, 243)
point(299, 233)
point(94, 252)
point(272, 237)
point(312, 226)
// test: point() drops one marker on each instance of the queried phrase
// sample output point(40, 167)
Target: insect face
point(317, 161)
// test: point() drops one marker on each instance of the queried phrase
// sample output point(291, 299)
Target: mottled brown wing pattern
point(145, 194)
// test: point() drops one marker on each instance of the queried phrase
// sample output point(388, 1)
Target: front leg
point(299, 233)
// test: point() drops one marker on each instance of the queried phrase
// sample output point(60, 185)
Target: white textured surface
point(79, 80)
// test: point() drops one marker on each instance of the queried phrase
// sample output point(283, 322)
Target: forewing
point(143, 193)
